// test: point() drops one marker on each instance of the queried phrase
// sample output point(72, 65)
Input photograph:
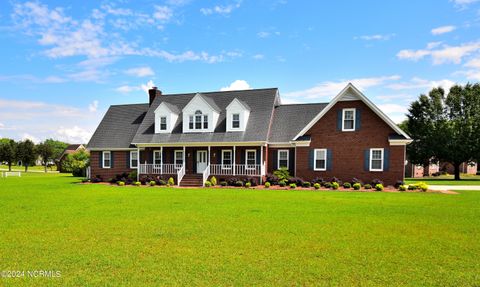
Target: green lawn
point(465, 179)
point(116, 236)
point(30, 168)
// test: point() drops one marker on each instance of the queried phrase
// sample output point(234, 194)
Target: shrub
point(273, 179)
point(367, 186)
point(376, 181)
point(336, 179)
point(223, 183)
point(398, 183)
point(282, 173)
point(121, 183)
point(335, 185)
point(267, 184)
point(307, 184)
point(208, 184)
point(97, 179)
point(422, 186)
point(379, 187)
point(402, 188)
point(356, 180)
point(239, 183)
point(293, 185)
point(171, 181)
point(138, 183)
point(347, 185)
point(232, 181)
point(152, 183)
point(213, 180)
point(132, 175)
point(357, 186)
point(282, 183)
point(161, 182)
point(316, 185)
point(248, 184)
point(412, 187)
point(297, 180)
point(318, 180)
point(327, 185)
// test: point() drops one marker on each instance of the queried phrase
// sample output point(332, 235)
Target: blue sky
point(63, 64)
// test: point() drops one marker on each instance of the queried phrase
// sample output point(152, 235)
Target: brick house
point(249, 133)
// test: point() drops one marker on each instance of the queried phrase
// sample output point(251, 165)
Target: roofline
point(217, 92)
point(303, 104)
point(204, 100)
point(364, 99)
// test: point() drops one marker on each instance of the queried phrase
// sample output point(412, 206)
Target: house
point(412, 170)
point(248, 133)
point(70, 149)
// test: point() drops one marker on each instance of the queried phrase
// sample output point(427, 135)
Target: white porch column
point(183, 156)
point(261, 163)
point(138, 164)
point(208, 162)
point(161, 160)
point(234, 156)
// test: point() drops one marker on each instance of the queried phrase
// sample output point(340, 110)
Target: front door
point(201, 160)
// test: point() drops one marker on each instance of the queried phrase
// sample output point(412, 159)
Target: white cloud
point(433, 45)
point(263, 34)
point(73, 135)
point(2, 126)
point(422, 84)
point(219, 9)
point(443, 30)
point(162, 13)
point(237, 85)
point(393, 108)
point(93, 106)
point(258, 56)
point(473, 63)
point(445, 54)
point(463, 3)
point(127, 89)
point(27, 136)
point(140, 72)
point(147, 86)
point(375, 37)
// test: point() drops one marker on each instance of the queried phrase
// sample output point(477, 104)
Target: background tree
point(76, 163)
point(26, 153)
point(8, 151)
point(57, 147)
point(46, 152)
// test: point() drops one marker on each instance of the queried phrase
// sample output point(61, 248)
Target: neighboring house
point(412, 170)
point(70, 149)
point(249, 133)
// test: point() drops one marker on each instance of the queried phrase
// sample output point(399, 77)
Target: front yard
point(466, 179)
point(113, 236)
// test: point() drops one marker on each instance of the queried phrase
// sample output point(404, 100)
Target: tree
point(57, 147)
point(46, 151)
point(76, 163)
point(26, 153)
point(8, 151)
point(445, 128)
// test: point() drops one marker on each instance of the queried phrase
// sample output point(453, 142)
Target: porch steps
point(192, 180)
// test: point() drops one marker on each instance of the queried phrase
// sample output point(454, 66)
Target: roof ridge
point(303, 104)
point(218, 92)
point(138, 104)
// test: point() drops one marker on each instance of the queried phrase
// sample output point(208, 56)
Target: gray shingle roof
point(173, 108)
point(261, 102)
point(118, 126)
point(289, 120)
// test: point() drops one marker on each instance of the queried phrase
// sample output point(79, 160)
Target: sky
point(63, 64)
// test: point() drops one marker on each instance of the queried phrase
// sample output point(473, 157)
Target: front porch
point(222, 162)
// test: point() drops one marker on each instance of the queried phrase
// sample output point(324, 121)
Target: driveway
point(454, 187)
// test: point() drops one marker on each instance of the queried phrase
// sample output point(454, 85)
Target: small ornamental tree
point(76, 163)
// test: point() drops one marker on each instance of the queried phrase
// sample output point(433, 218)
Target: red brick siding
point(119, 165)
point(348, 147)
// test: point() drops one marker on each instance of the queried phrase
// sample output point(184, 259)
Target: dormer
point(166, 116)
point(238, 113)
point(200, 115)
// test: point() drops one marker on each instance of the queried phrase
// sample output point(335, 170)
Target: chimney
point(152, 93)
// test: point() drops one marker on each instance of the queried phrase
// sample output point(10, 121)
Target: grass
point(30, 168)
point(466, 179)
point(135, 236)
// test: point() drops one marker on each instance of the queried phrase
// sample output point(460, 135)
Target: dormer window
point(236, 121)
point(199, 121)
point(348, 120)
point(163, 123)
point(237, 116)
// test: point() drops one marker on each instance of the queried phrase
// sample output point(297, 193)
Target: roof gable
point(199, 97)
point(164, 105)
point(349, 93)
point(238, 102)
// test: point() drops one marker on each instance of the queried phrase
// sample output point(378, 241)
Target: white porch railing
point(237, 169)
point(180, 174)
point(206, 174)
point(166, 168)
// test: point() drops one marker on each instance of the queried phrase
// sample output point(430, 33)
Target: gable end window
point(163, 123)
point(283, 158)
point(236, 121)
point(320, 159)
point(198, 121)
point(376, 159)
point(107, 159)
point(348, 120)
point(133, 159)
point(190, 122)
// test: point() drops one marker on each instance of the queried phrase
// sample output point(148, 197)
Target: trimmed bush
point(208, 183)
point(293, 185)
point(171, 181)
point(357, 186)
point(213, 180)
point(267, 184)
point(347, 185)
point(223, 183)
point(356, 180)
point(282, 173)
point(336, 179)
point(327, 185)
point(398, 183)
point(138, 183)
point(307, 184)
point(367, 186)
point(121, 183)
point(376, 181)
point(248, 184)
point(402, 188)
point(282, 183)
point(239, 183)
point(335, 185)
point(316, 185)
point(412, 187)
point(379, 187)
point(152, 183)
point(422, 186)
point(273, 179)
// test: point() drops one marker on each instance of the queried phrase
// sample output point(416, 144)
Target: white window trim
point(155, 158)
point(343, 120)
point(138, 160)
point(315, 159)
point(239, 122)
point(231, 159)
point(103, 159)
point(288, 157)
point(246, 158)
point(371, 158)
point(175, 156)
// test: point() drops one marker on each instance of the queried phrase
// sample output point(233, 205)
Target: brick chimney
point(152, 93)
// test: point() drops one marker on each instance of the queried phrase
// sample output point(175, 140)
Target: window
point(157, 157)
point(205, 121)
point(163, 123)
point(226, 159)
point(376, 159)
point(348, 120)
point(133, 159)
point(250, 158)
point(190, 123)
point(236, 121)
point(107, 159)
point(198, 121)
point(179, 157)
point(320, 159)
point(283, 158)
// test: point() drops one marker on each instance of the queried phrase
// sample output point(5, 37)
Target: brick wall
point(273, 160)
point(119, 165)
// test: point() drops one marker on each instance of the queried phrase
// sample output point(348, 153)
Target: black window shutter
point(164, 155)
point(112, 159)
point(150, 157)
point(173, 156)
point(128, 159)
point(291, 160)
point(100, 157)
point(242, 157)
point(366, 160)
point(258, 157)
point(358, 117)
point(386, 159)
point(339, 120)
point(219, 157)
point(275, 160)
point(311, 159)
point(329, 159)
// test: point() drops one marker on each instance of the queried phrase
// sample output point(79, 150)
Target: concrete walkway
point(454, 187)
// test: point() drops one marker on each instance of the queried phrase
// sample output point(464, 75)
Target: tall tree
point(57, 146)
point(26, 153)
point(8, 151)
point(46, 151)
